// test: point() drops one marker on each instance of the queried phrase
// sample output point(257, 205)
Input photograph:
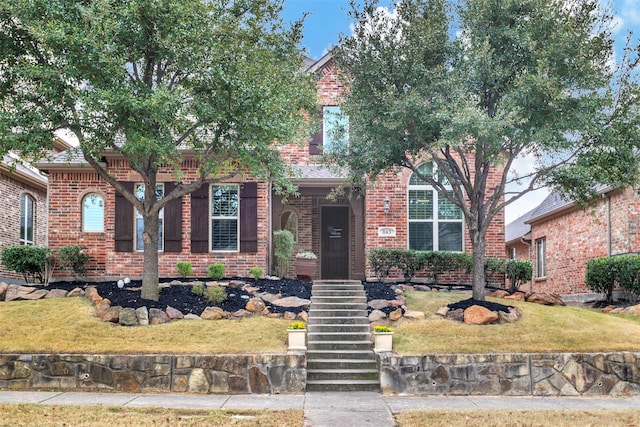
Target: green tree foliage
point(283, 242)
point(475, 86)
point(155, 81)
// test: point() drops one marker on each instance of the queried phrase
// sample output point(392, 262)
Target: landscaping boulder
point(56, 293)
point(3, 290)
point(109, 314)
point(75, 292)
point(544, 298)
point(212, 313)
point(291, 302)
point(174, 313)
point(17, 292)
point(378, 304)
point(442, 311)
point(512, 316)
point(498, 293)
point(516, 296)
point(376, 315)
point(36, 294)
point(142, 313)
point(255, 305)
point(158, 317)
point(395, 315)
point(414, 315)
point(128, 317)
point(479, 315)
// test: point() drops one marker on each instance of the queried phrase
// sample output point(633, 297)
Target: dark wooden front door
point(335, 243)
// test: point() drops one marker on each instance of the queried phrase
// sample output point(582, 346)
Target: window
point(541, 257)
point(335, 128)
point(435, 223)
point(26, 219)
point(512, 253)
point(93, 214)
point(139, 222)
point(224, 217)
point(289, 221)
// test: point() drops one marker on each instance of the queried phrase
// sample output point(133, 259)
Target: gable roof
point(518, 228)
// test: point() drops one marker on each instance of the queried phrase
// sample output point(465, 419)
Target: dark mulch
point(464, 304)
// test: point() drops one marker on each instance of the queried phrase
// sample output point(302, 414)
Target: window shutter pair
point(248, 219)
point(123, 235)
point(315, 144)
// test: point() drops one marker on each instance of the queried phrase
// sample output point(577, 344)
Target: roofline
point(25, 178)
point(320, 62)
point(565, 207)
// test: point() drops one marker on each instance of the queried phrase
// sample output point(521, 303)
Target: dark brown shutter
point(200, 220)
point(315, 144)
point(249, 217)
point(172, 221)
point(123, 235)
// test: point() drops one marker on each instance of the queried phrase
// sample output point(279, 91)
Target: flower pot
point(297, 339)
point(383, 342)
point(306, 268)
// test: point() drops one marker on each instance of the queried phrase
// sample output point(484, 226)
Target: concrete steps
point(339, 349)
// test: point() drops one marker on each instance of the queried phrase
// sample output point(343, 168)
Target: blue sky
point(328, 18)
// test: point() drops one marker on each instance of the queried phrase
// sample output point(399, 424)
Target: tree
point(155, 80)
point(476, 85)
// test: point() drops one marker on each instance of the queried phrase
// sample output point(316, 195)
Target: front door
point(335, 243)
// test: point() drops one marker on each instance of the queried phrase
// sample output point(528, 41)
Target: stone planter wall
point(261, 373)
point(544, 374)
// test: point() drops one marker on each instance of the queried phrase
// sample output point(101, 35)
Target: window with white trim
point(541, 257)
point(435, 223)
point(93, 213)
point(335, 128)
point(225, 213)
point(139, 221)
point(27, 219)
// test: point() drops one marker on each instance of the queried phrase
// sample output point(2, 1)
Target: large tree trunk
point(479, 244)
point(150, 267)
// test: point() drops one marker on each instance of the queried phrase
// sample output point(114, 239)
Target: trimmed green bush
point(216, 271)
point(198, 289)
point(33, 262)
point(216, 294)
point(518, 271)
point(256, 272)
point(184, 268)
point(409, 262)
point(282, 250)
point(604, 274)
point(74, 258)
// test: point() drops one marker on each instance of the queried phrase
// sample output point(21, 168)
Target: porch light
point(386, 203)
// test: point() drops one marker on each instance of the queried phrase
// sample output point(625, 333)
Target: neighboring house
point(23, 203)
point(559, 237)
point(205, 227)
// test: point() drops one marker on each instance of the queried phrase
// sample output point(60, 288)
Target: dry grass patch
point(69, 325)
point(514, 418)
point(98, 416)
point(541, 329)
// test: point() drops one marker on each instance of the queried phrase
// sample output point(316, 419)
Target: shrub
point(216, 271)
point(282, 251)
point(628, 275)
point(601, 276)
point(75, 258)
point(438, 262)
point(198, 289)
point(184, 268)
point(493, 267)
point(35, 263)
point(216, 294)
point(379, 262)
point(256, 272)
point(518, 271)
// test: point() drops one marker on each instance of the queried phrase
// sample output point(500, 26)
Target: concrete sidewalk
point(323, 408)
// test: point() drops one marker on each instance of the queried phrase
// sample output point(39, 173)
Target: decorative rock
point(255, 305)
point(142, 313)
point(103, 305)
point(457, 315)
point(291, 302)
point(92, 294)
point(266, 296)
point(3, 290)
point(17, 292)
point(35, 295)
point(414, 315)
point(423, 288)
point(545, 298)
point(395, 315)
point(251, 289)
point(378, 304)
point(158, 317)
point(442, 311)
point(212, 313)
point(274, 315)
point(56, 293)
point(174, 313)
point(407, 287)
point(304, 316)
point(376, 315)
point(399, 302)
point(516, 296)
point(128, 317)
point(191, 316)
point(289, 315)
point(236, 284)
point(479, 315)
point(242, 313)
point(75, 292)
point(512, 316)
point(498, 293)
point(110, 314)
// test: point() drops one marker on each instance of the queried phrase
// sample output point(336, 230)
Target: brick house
point(85, 210)
point(23, 203)
point(559, 237)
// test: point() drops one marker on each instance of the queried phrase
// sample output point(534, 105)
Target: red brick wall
point(10, 191)
point(67, 190)
point(576, 236)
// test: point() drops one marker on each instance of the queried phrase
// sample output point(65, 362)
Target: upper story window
point(335, 128)
point(93, 213)
point(224, 216)
point(435, 223)
point(139, 221)
point(27, 219)
point(541, 257)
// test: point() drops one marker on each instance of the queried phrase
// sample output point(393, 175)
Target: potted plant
point(306, 265)
point(297, 335)
point(383, 338)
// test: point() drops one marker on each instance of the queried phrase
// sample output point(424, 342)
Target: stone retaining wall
point(543, 374)
point(260, 373)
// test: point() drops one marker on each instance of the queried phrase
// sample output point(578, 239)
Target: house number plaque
point(386, 232)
